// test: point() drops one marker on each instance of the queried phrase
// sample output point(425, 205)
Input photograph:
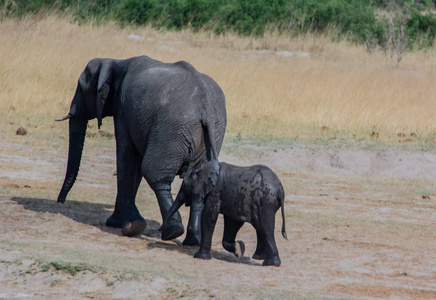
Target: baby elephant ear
point(204, 178)
point(212, 173)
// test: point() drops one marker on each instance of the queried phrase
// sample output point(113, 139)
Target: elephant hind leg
point(231, 228)
point(174, 227)
point(260, 253)
point(266, 235)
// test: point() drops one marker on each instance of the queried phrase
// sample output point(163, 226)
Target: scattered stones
point(135, 38)
point(90, 134)
point(106, 133)
point(21, 131)
point(406, 141)
point(101, 133)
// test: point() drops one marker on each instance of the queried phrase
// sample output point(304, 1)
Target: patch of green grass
point(54, 282)
point(69, 267)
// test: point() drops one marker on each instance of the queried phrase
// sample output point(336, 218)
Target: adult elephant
point(168, 118)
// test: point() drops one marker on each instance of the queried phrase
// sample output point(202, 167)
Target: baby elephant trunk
point(180, 199)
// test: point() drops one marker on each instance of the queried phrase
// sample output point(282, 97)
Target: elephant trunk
point(77, 131)
point(180, 199)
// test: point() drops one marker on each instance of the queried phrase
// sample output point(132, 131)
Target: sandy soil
point(361, 224)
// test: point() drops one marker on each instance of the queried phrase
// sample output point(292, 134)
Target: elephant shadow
point(95, 214)
point(176, 245)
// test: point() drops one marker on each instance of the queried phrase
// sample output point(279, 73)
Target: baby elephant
point(242, 194)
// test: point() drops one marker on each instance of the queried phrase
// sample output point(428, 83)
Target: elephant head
point(92, 99)
point(196, 185)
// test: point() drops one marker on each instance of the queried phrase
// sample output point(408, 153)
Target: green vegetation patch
point(398, 24)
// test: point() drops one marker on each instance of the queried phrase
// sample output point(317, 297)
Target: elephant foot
point(172, 231)
point(239, 248)
point(192, 239)
point(203, 255)
point(134, 228)
point(114, 221)
point(272, 261)
point(258, 256)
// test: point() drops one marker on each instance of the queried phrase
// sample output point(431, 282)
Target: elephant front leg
point(208, 221)
point(133, 223)
point(193, 234)
point(116, 219)
point(126, 214)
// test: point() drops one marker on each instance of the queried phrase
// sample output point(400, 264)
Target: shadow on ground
point(95, 214)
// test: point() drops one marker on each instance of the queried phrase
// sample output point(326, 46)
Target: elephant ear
point(103, 88)
point(206, 178)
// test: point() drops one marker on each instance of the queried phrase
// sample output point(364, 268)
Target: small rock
point(105, 133)
point(135, 37)
point(21, 131)
point(405, 141)
point(90, 134)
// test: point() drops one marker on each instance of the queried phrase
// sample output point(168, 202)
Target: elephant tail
point(282, 205)
point(209, 139)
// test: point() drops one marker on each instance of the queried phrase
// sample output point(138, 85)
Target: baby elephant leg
point(266, 232)
point(208, 221)
point(260, 252)
point(231, 228)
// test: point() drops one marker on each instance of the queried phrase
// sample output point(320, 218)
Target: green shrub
point(360, 21)
point(421, 30)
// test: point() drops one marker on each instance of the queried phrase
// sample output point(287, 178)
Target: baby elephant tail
point(282, 205)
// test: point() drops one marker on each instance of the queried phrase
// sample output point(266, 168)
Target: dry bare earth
point(354, 231)
point(358, 225)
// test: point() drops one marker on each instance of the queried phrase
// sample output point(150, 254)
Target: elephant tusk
point(63, 118)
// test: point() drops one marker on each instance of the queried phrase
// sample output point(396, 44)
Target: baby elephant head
point(196, 185)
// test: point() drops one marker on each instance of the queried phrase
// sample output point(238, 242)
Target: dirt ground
point(361, 225)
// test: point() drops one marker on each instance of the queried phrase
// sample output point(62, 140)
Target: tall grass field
point(304, 88)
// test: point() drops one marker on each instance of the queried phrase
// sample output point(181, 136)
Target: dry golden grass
point(339, 86)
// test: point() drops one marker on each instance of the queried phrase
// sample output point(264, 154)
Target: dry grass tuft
point(268, 91)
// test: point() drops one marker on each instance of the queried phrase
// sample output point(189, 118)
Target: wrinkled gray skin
point(168, 118)
point(242, 194)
